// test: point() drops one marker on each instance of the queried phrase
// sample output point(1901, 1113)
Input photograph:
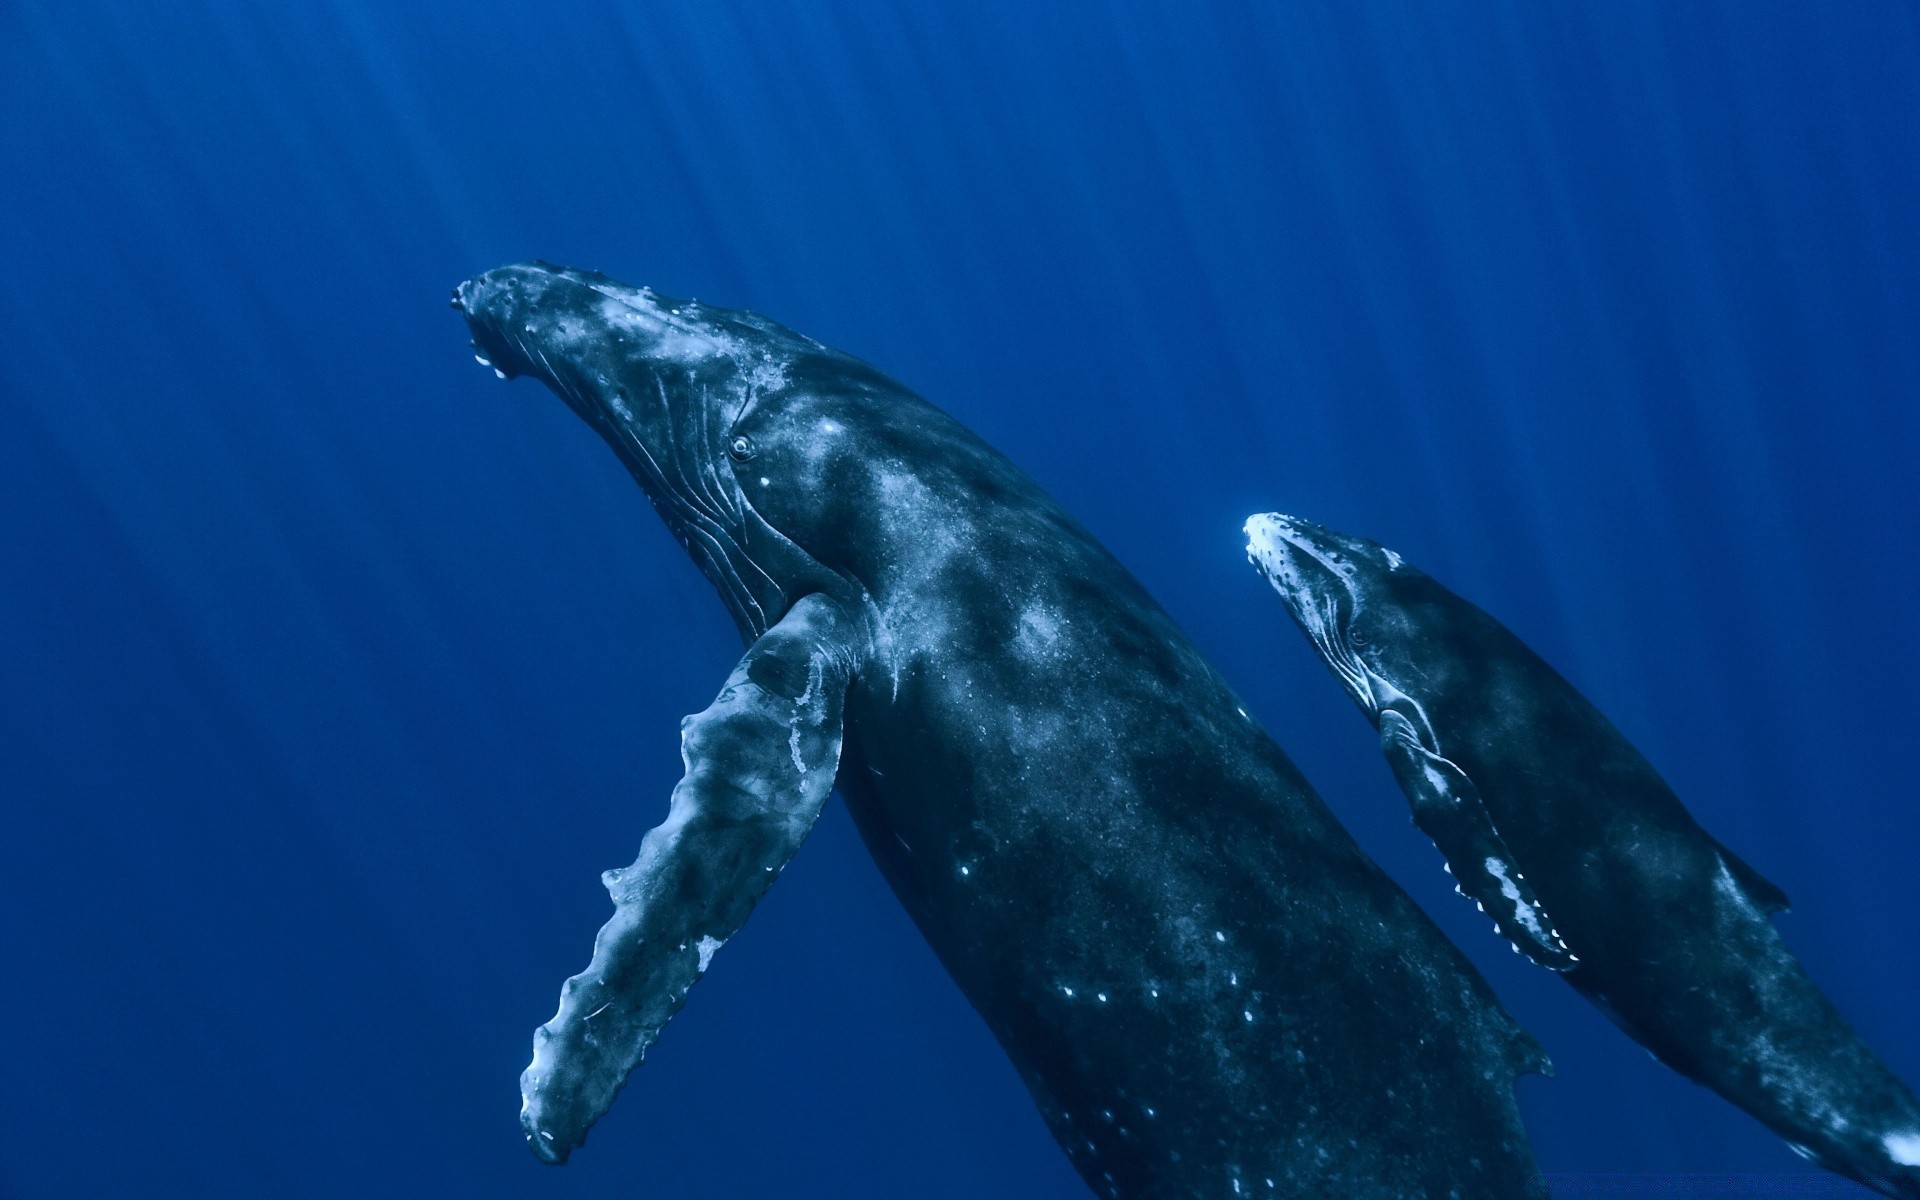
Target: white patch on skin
point(668, 339)
point(930, 539)
point(767, 375)
point(1526, 914)
point(1729, 887)
point(1904, 1148)
point(1038, 635)
point(706, 946)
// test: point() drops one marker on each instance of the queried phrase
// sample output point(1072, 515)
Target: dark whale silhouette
point(1555, 825)
point(1208, 988)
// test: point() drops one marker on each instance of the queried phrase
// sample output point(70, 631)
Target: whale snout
point(535, 318)
point(1275, 543)
point(1293, 551)
point(569, 328)
point(501, 307)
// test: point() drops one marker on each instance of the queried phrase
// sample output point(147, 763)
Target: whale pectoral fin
point(760, 762)
point(1448, 809)
point(1764, 893)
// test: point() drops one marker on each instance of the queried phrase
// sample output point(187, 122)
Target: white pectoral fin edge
point(1447, 807)
point(760, 763)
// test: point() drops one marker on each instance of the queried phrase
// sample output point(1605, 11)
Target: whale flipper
point(760, 762)
point(1447, 808)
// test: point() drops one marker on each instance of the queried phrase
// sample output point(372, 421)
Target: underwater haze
point(333, 672)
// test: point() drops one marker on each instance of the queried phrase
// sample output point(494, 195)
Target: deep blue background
point(332, 672)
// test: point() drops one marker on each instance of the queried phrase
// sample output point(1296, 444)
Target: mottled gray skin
point(1207, 986)
point(1664, 929)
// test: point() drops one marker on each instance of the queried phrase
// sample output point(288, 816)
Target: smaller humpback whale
point(1207, 987)
point(1562, 833)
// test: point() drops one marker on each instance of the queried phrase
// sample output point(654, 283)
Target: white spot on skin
point(1068, 991)
point(1038, 633)
point(706, 946)
point(1904, 1148)
point(1219, 936)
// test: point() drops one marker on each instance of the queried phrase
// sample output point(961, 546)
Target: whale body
point(1568, 838)
point(1207, 987)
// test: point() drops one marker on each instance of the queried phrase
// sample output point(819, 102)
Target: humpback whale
point(1559, 830)
point(1207, 987)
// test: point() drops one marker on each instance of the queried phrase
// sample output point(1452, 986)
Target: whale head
point(667, 383)
point(1340, 590)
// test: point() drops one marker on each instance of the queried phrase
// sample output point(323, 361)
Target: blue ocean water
point(332, 671)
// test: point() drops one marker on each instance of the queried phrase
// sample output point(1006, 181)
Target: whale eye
point(1357, 638)
point(740, 448)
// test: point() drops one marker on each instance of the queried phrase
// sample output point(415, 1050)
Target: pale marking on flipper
point(1448, 809)
point(1529, 914)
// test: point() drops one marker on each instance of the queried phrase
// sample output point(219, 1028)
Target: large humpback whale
point(1558, 828)
point(1207, 987)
